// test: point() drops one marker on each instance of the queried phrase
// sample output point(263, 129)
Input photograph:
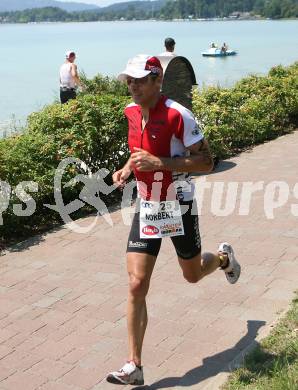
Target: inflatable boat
point(214, 52)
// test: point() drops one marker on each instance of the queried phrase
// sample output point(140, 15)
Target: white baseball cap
point(70, 53)
point(140, 66)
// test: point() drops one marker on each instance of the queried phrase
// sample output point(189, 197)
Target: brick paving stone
point(50, 369)
point(155, 356)
point(179, 363)
point(258, 315)
point(6, 334)
point(94, 360)
point(200, 317)
point(171, 342)
point(286, 270)
point(233, 311)
point(8, 306)
point(203, 333)
point(104, 327)
point(71, 307)
point(63, 294)
point(264, 304)
point(197, 348)
point(59, 292)
point(52, 349)
point(173, 328)
point(28, 361)
point(104, 385)
point(19, 379)
point(5, 372)
point(46, 302)
point(272, 293)
point(108, 345)
point(21, 311)
point(4, 351)
point(16, 359)
point(282, 284)
point(27, 343)
point(82, 377)
point(75, 355)
point(112, 315)
point(54, 385)
point(25, 325)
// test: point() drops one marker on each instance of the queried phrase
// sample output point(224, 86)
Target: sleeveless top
point(66, 78)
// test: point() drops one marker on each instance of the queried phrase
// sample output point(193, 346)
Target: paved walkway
point(62, 296)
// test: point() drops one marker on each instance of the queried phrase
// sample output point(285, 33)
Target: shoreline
point(226, 19)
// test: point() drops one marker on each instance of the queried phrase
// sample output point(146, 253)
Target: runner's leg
point(196, 268)
point(139, 267)
point(141, 257)
point(188, 248)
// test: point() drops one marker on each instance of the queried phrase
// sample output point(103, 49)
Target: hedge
point(94, 129)
point(256, 109)
point(91, 128)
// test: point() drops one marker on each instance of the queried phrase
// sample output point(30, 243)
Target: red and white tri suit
point(171, 128)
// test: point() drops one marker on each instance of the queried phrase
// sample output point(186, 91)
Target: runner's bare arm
point(120, 176)
point(200, 160)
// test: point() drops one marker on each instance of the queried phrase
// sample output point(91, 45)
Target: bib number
point(160, 219)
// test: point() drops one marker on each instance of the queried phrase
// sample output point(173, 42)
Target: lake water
point(30, 55)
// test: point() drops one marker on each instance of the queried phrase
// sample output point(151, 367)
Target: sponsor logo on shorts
point(150, 230)
point(171, 228)
point(137, 244)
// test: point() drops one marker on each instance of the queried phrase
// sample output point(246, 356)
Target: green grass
point(273, 365)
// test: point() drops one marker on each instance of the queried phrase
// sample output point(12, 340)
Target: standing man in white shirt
point(69, 78)
point(170, 47)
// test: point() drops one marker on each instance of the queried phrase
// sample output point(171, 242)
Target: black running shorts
point(65, 96)
point(186, 246)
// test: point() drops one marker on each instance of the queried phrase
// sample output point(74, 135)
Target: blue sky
point(101, 3)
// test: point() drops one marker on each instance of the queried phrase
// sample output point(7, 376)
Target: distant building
point(240, 15)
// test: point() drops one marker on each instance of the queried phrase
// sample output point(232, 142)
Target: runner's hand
point(120, 177)
point(145, 161)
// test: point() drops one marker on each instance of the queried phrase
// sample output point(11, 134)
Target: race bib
point(160, 219)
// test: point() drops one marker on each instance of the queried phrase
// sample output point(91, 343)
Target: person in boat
point(213, 46)
point(224, 48)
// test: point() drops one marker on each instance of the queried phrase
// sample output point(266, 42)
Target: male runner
point(165, 144)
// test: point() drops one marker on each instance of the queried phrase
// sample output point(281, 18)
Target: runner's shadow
point(221, 166)
point(211, 365)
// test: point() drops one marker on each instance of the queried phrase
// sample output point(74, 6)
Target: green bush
point(91, 128)
point(256, 109)
point(102, 85)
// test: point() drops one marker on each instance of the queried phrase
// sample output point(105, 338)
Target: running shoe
point(233, 269)
point(129, 374)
